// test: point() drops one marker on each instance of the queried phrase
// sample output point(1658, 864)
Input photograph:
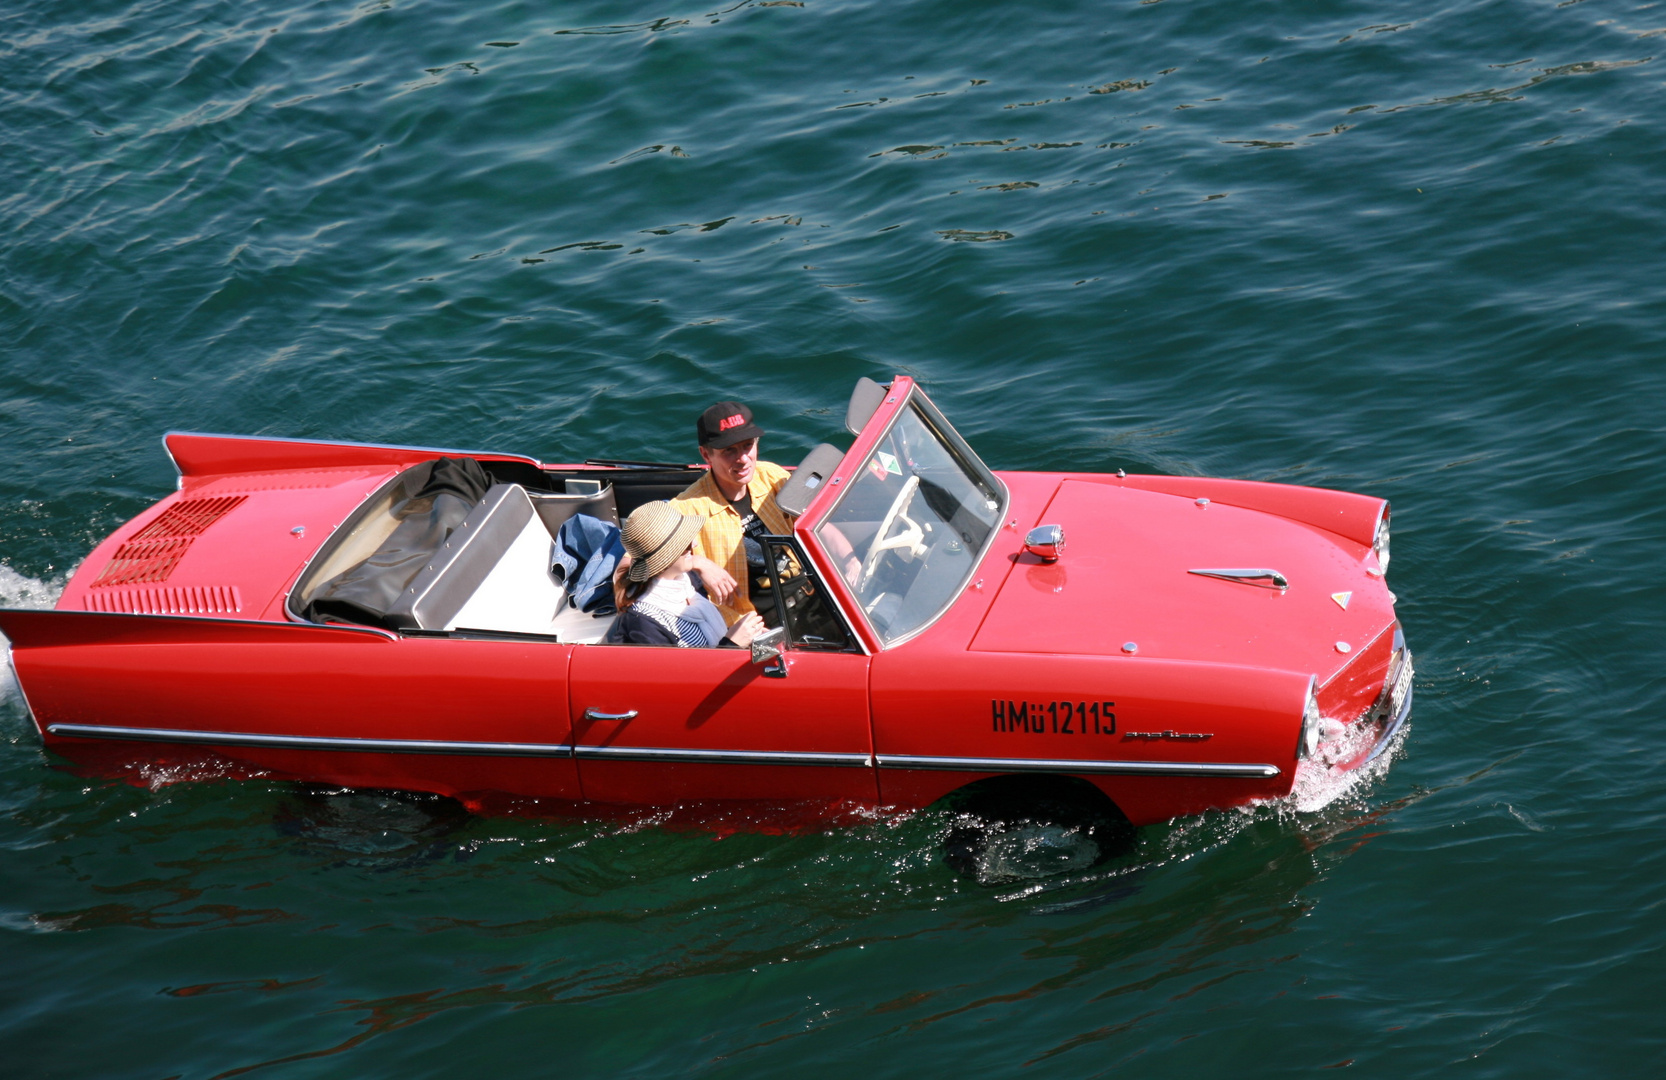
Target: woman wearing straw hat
point(657, 600)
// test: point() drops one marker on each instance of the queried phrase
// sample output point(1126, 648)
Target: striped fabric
point(720, 538)
point(692, 619)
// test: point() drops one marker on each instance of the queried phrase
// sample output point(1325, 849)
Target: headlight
point(1380, 544)
point(1311, 721)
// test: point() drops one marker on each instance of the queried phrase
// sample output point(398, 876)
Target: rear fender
point(197, 454)
point(331, 704)
point(93, 667)
point(1349, 515)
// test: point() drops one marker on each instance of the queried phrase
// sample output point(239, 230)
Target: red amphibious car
point(1137, 647)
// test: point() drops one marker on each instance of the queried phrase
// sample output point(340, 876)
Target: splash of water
point(1320, 782)
point(20, 591)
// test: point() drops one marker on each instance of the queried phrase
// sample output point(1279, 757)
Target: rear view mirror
point(768, 645)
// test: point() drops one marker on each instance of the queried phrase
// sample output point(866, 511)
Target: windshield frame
point(903, 398)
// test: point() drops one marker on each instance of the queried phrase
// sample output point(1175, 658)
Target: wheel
point(363, 823)
point(1024, 832)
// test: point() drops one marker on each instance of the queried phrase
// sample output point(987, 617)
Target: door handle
point(597, 714)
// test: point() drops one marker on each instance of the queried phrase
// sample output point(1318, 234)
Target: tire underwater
point(1072, 834)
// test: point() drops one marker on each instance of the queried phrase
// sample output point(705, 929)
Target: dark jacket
point(634, 628)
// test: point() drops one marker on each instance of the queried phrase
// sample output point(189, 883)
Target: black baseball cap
point(725, 424)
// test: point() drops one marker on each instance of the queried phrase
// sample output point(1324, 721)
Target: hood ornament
point(1045, 542)
point(1265, 579)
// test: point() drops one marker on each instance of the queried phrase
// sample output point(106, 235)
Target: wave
point(21, 591)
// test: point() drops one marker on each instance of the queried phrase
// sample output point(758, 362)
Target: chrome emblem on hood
point(1263, 579)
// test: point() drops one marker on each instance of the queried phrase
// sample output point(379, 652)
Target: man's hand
point(719, 585)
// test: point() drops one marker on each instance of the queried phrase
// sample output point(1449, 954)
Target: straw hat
point(655, 534)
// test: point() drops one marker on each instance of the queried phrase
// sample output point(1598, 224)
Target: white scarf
point(667, 601)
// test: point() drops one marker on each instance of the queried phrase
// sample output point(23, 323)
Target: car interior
point(487, 567)
point(444, 548)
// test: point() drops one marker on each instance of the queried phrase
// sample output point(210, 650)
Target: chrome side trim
point(720, 757)
point(1122, 768)
point(17, 679)
point(179, 473)
point(672, 755)
point(309, 742)
point(374, 631)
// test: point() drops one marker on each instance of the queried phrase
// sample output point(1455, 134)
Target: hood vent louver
point(167, 600)
point(151, 554)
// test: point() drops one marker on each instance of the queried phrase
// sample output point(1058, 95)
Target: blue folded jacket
point(587, 550)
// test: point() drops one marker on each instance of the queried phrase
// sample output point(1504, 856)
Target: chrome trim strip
point(179, 473)
point(672, 755)
point(1384, 514)
point(354, 628)
point(1123, 768)
point(22, 692)
point(309, 742)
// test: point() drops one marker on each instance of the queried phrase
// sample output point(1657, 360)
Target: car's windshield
point(908, 530)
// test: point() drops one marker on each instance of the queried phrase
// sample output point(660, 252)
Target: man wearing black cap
point(737, 500)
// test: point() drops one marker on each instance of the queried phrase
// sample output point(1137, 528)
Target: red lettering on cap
point(730, 422)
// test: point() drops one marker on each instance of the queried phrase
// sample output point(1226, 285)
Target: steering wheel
point(910, 537)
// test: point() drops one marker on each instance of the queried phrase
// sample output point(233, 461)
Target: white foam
point(1319, 782)
point(18, 591)
point(27, 592)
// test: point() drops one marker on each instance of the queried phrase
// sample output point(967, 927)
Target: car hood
point(1123, 579)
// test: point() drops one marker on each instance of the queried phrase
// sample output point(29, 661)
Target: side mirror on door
point(769, 645)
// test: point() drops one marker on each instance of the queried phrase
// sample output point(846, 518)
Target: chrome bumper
point(1395, 707)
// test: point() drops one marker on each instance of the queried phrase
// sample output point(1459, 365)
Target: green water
point(1411, 250)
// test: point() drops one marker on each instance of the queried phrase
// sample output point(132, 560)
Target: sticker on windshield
point(876, 467)
point(890, 463)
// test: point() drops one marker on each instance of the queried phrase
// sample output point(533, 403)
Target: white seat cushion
point(519, 595)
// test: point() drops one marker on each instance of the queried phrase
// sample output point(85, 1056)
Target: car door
point(654, 726)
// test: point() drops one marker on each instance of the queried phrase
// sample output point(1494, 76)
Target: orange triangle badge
point(1342, 599)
